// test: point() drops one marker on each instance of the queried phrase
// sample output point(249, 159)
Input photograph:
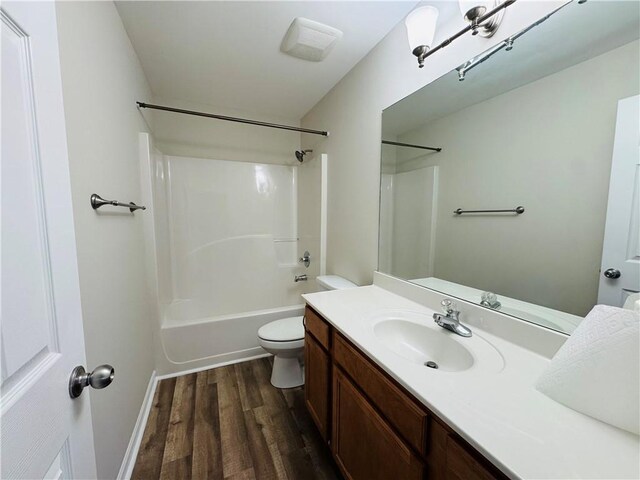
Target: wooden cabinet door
point(462, 465)
point(363, 444)
point(317, 371)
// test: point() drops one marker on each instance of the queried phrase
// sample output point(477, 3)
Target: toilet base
point(287, 372)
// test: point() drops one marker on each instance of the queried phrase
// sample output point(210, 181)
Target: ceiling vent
point(309, 40)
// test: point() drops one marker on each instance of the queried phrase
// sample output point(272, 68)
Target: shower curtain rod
point(398, 144)
point(231, 119)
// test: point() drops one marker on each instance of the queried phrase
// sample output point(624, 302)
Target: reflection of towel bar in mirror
point(398, 144)
point(97, 201)
point(517, 211)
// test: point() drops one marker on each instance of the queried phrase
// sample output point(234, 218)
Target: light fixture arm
point(506, 44)
point(422, 52)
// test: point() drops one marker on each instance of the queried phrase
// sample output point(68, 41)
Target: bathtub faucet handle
point(300, 278)
point(305, 259)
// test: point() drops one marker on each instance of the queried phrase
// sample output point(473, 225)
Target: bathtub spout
point(300, 278)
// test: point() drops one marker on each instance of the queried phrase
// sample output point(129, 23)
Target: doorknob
point(612, 273)
point(101, 377)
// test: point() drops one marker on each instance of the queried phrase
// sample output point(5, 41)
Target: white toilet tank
point(334, 282)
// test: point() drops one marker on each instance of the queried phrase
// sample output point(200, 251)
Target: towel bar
point(517, 211)
point(97, 201)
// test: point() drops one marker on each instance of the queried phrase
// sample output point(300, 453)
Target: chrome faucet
point(300, 278)
point(450, 319)
point(490, 299)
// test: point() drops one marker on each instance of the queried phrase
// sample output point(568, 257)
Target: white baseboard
point(129, 460)
point(213, 365)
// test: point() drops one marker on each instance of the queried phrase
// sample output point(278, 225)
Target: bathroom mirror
point(532, 130)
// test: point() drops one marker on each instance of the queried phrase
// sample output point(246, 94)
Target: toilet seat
point(284, 330)
point(279, 347)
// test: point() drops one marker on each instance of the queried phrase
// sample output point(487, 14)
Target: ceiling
point(227, 54)
point(572, 35)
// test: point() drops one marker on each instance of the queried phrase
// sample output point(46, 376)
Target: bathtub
point(206, 342)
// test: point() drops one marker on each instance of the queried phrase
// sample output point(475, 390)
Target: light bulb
point(421, 26)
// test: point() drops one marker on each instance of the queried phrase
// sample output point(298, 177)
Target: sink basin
point(421, 344)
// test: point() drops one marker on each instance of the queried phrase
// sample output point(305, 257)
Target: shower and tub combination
point(226, 241)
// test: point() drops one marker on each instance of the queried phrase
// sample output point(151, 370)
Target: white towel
point(597, 370)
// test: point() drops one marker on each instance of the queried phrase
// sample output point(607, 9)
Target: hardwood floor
point(230, 423)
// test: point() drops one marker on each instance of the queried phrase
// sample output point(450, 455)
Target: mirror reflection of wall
point(532, 127)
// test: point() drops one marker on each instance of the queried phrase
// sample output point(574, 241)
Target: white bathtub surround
point(523, 432)
point(224, 240)
point(408, 222)
point(233, 230)
point(597, 370)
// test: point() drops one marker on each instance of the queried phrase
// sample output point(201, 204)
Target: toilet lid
point(334, 282)
point(283, 330)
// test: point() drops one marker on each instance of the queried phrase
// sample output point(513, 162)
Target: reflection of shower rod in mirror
point(506, 44)
point(410, 145)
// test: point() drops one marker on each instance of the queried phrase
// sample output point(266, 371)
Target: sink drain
point(431, 364)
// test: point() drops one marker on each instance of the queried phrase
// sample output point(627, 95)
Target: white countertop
point(523, 432)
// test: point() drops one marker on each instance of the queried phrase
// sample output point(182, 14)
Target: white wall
point(352, 110)
point(556, 163)
point(101, 80)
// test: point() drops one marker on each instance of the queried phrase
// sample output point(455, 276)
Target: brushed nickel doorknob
point(101, 377)
point(612, 273)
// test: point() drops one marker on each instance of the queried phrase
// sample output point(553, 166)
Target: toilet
point(284, 339)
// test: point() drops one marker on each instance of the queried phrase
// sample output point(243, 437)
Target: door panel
point(44, 434)
point(621, 249)
point(27, 330)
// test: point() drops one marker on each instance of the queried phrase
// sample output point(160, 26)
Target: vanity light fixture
point(421, 24)
point(421, 28)
point(473, 10)
point(506, 44)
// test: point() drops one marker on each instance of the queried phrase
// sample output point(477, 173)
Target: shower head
point(301, 153)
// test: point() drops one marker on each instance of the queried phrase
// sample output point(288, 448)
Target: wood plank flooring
point(230, 423)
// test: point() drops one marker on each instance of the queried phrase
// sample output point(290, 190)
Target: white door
point(620, 269)
point(44, 433)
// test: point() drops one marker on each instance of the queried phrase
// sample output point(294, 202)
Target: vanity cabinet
point(375, 428)
point(363, 444)
point(317, 371)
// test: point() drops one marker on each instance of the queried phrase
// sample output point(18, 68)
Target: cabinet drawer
point(317, 327)
point(401, 411)
point(364, 445)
